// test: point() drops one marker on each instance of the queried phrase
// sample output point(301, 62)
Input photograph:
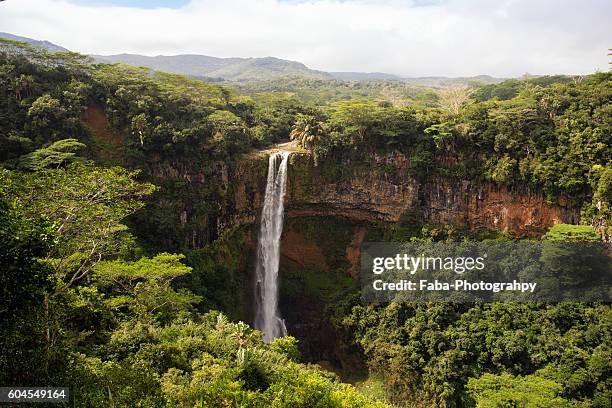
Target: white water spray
point(267, 315)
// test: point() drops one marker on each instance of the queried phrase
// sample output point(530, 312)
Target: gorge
point(361, 199)
point(330, 208)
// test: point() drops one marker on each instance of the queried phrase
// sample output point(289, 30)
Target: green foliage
point(58, 153)
point(107, 383)
point(354, 129)
point(273, 117)
point(43, 99)
point(218, 274)
point(426, 352)
point(496, 391)
point(207, 361)
point(83, 206)
point(325, 91)
point(145, 287)
point(568, 232)
point(23, 282)
point(287, 346)
point(23, 278)
point(599, 211)
point(542, 138)
point(86, 205)
point(511, 88)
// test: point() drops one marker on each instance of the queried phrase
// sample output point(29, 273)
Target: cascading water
point(267, 315)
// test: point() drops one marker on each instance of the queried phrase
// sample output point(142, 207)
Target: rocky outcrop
point(497, 207)
point(383, 190)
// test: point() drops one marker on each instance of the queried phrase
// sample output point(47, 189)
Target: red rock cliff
point(383, 190)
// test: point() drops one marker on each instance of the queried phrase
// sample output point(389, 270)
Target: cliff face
point(383, 190)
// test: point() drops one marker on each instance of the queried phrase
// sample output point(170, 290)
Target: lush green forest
point(106, 289)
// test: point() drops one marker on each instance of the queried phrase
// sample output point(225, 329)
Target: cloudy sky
point(405, 37)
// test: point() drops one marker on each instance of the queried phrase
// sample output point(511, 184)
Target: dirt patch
point(290, 147)
point(108, 145)
point(295, 248)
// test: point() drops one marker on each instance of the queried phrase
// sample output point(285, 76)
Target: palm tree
point(307, 131)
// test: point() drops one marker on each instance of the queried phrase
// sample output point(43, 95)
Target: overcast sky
point(503, 38)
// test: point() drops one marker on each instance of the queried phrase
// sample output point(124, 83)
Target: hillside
point(193, 65)
point(266, 68)
point(229, 69)
point(49, 46)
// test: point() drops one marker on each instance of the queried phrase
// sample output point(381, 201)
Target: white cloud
point(412, 38)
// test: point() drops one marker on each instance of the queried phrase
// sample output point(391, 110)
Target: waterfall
point(267, 315)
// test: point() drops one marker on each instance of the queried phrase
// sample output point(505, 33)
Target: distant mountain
point(433, 81)
point(36, 43)
point(230, 69)
point(251, 69)
point(188, 64)
point(267, 68)
point(361, 76)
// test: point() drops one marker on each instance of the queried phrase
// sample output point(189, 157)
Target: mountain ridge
point(230, 69)
point(249, 69)
point(47, 45)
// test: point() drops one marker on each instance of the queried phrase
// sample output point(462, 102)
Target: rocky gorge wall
point(383, 190)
